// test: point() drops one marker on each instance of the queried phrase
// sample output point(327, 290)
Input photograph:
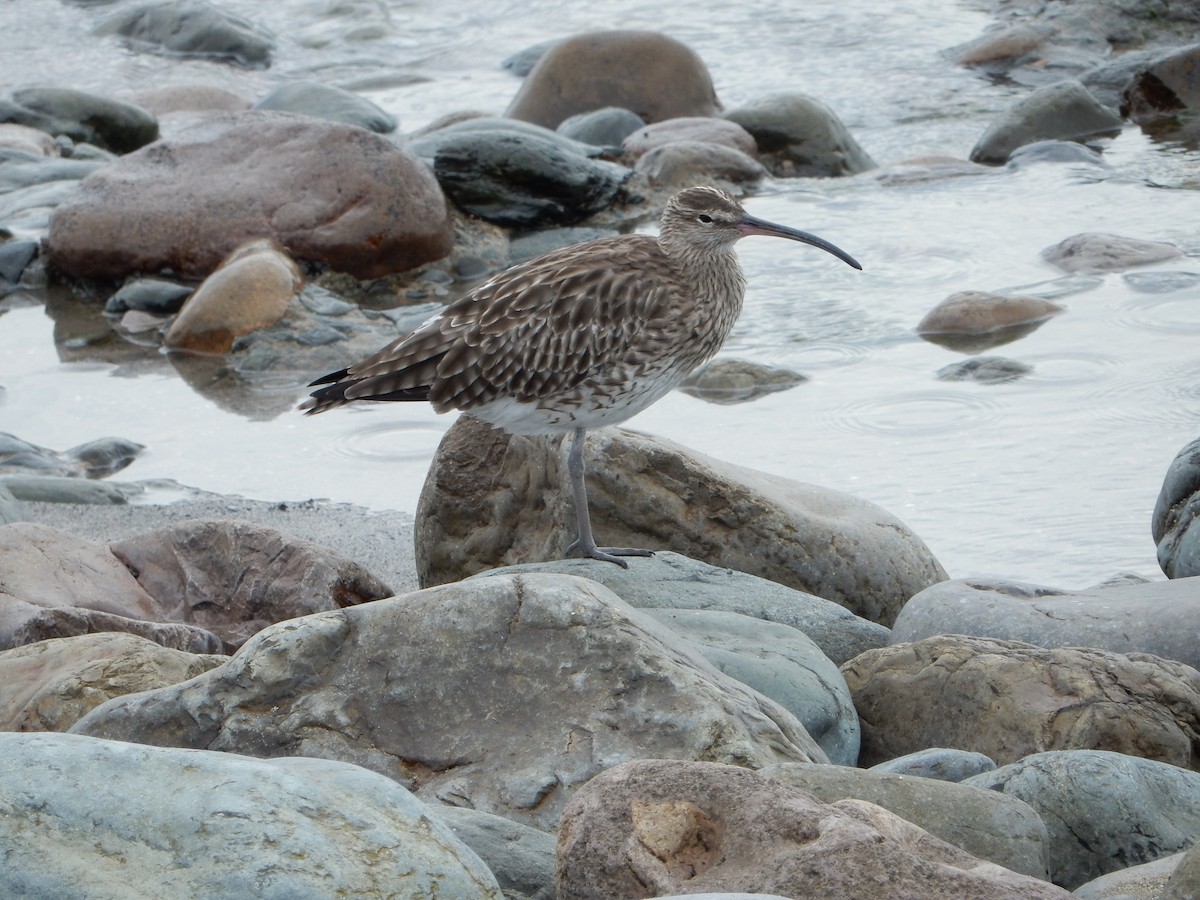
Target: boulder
point(654, 76)
point(1184, 881)
point(504, 694)
point(492, 499)
point(985, 370)
point(193, 29)
point(728, 381)
point(799, 136)
point(98, 458)
point(1104, 811)
point(86, 817)
point(49, 685)
point(1173, 524)
point(1009, 699)
point(521, 858)
point(942, 763)
point(655, 827)
point(249, 290)
point(988, 825)
point(1167, 87)
point(83, 117)
point(607, 127)
point(1065, 110)
point(670, 581)
point(1148, 880)
point(369, 207)
point(681, 164)
point(333, 104)
point(971, 321)
point(1143, 617)
point(697, 129)
point(1098, 252)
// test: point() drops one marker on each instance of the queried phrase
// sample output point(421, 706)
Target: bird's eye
point(705, 218)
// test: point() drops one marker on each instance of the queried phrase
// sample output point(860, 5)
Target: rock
point(607, 127)
point(68, 489)
point(1148, 880)
point(698, 129)
point(986, 824)
point(11, 509)
point(798, 136)
point(84, 118)
point(985, 370)
point(1054, 152)
point(1148, 617)
point(504, 694)
point(251, 289)
point(781, 663)
point(1095, 252)
point(972, 321)
point(669, 581)
point(1008, 699)
point(655, 76)
point(85, 817)
point(942, 763)
point(729, 381)
point(1175, 514)
point(522, 62)
point(19, 456)
point(1065, 110)
point(521, 858)
point(1184, 883)
point(1004, 43)
point(15, 257)
point(234, 578)
point(57, 585)
point(331, 103)
point(29, 141)
point(485, 504)
point(370, 208)
point(524, 180)
point(1168, 86)
point(924, 169)
point(684, 163)
point(1104, 811)
point(192, 29)
point(49, 685)
point(1161, 282)
point(151, 295)
point(654, 827)
point(189, 98)
point(104, 456)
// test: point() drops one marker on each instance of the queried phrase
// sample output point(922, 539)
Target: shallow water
point(1051, 478)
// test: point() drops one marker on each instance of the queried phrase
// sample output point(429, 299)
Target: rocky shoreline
point(791, 698)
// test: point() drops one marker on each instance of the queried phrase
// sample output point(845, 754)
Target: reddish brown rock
point(692, 128)
point(327, 192)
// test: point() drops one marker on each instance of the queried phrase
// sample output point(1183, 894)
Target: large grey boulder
point(799, 136)
point(83, 117)
point(1008, 699)
point(1152, 617)
point(1102, 252)
point(92, 818)
point(492, 499)
point(1176, 512)
point(521, 858)
point(192, 29)
point(650, 828)
point(1065, 110)
point(1104, 811)
point(503, 693)
point(986, 824)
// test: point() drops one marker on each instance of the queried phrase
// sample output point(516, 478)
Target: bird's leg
point(586, 544)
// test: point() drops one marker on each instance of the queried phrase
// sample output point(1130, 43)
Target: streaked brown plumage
point(579, 338)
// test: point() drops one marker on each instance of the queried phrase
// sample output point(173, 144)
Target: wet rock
point(798, 136)
point(49, 685)
point(522, 62)
point(924, 169)
point(105, 818)
point(553, 678)
point(1054, 152)
point(684, 163)
point(1104, 811)
point(491, 499)
point(1109, 78)
point(694, 128)
point(105, 456)
point(192, 29)
point(654, 827)
point(1161, 282)
point(189, 98)
point(1145, 617)
point(251, 289)
point(11, 509)
point(1168, 86)
point(521, 858)
point(971, 321)
point(729, 381)
point(655, 76)
point(27, 141)
point(1008, 44)
point(83, 117)
point(151, 295)
point(1147, 880)
point(234, 578)
point(524, 180)
point(986, 824)
point(323, 102)
point(1064, 110)
point(942, 763)
point(68, 489)
point(1174, 523)
point(607, 127)
point(95, 459)
point(1009, 699)
point(1184, 883)
point(370, 208)
point(985, 370)
point(57, 585)
point(1099, 252)
point(668, 581)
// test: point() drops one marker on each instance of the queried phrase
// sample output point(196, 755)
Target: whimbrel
point(579, 338)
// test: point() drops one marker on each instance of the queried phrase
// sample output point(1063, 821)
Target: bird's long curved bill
point(753, 225)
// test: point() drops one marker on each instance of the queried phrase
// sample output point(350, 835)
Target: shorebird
point(581, 337)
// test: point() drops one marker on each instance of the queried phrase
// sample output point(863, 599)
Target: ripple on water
point(1069, 367)
point(1172, 313)
point(918, 413)
point(1163, 398)
point(389, 442)
point(826, 355)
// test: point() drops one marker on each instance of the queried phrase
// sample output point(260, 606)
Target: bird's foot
point(607, 554)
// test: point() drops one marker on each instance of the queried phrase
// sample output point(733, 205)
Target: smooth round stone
point(192, 29)
point(331, 103)
point(693, 128)
point(15, 257)
point(799, 136)
point(151, 295)
point(971, 321)
point(1161, 282)
point(62, 489)
point(1065, 110)
point(606, 127)
point(1100, 252)
point(1054, 152)
point(85, 117)
point(24, 139)
point(104, 456)
point(985, 370)
point(1175, 524)
point(522, 62)
point(730, 381)
point(684, 163)
point(940, 763)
